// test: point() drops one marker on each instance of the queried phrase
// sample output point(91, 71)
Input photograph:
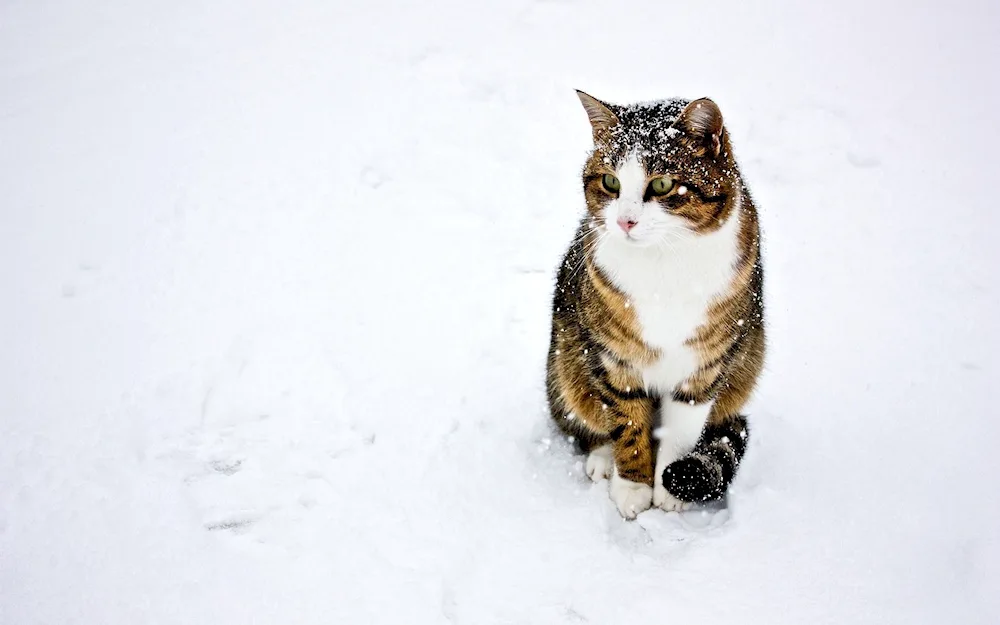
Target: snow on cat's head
point(659, 171)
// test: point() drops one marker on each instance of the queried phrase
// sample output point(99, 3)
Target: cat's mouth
point(633, 239)
point(647, 239)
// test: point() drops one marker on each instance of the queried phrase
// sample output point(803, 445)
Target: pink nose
point(626, 224)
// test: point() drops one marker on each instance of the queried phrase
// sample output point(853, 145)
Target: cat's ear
point(701, 121)
point(600, 114)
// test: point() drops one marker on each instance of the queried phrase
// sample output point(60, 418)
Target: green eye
point(661, 186)
point(611, 184)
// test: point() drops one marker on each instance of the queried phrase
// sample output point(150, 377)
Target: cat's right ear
point(702, 122)
point(601, 116)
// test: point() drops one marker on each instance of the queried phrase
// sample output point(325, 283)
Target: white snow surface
point(276, 279)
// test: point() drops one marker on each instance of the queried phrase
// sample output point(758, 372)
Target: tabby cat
point(658, 318)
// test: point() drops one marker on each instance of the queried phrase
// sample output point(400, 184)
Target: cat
point(658, 314)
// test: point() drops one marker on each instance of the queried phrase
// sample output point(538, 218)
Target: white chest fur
point(670, 286)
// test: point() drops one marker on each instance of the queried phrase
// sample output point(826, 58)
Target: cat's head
point(659, 170)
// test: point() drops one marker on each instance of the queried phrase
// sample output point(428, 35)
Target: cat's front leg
point(682, 421)
point(631, 485)
point(630, 497)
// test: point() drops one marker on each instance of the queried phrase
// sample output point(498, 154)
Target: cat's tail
point(706, 473)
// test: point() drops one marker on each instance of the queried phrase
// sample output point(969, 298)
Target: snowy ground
point(276, 278)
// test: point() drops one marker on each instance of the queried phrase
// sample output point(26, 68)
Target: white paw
point(666, 501)
point(630, 497)
point(600, 462)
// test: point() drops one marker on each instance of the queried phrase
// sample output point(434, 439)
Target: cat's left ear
point(600, 114)
point(702, 122)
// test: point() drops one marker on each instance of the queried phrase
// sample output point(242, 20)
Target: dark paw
point(689, 479)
